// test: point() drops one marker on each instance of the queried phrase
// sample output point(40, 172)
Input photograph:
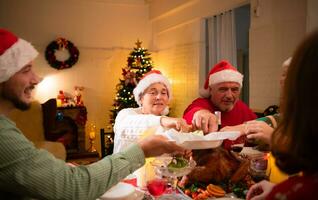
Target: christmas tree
point(138, 63)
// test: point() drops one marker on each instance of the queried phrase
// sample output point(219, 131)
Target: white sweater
point(130, 125)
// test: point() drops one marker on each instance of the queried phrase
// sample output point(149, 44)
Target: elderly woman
point(152, 93)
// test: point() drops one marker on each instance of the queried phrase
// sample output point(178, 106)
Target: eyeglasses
point(154, 93)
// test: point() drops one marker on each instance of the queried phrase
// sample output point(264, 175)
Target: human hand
point(177, 123)
point(260, 190)
point(72, 164)
point(240, 127)
point(258, 130)
point(205, 120)
point(156, 145)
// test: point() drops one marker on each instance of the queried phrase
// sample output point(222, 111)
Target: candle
point(92, 134)
point(58, 102)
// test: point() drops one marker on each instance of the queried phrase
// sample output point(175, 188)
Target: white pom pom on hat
point(153, 76)
point(15, 53)
point(221, 72)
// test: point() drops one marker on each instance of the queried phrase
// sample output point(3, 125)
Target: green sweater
point(27, 172)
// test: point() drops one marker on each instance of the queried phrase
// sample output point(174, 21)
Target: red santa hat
point(153, 76)
point(221, 72)
point(15, 53)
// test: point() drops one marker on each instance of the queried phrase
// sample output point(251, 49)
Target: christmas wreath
point(59, 44)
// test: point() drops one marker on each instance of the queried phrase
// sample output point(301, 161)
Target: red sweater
point(296, 188)
point(238, 115)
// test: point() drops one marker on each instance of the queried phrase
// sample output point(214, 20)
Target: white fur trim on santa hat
point(226, 76)
point(15, 58)
point(147, 81)
point(220, 77)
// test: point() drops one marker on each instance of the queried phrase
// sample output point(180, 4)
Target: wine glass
point(156, 187)
point(161, 166)
point(155, 184)
point(260, 167)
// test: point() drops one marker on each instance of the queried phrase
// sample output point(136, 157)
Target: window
point(227, 37)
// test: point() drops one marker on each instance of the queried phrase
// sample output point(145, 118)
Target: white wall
point(104, 32)
point(274, 35)
point(312, 15)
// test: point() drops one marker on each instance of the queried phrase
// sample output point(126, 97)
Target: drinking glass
point(156, 187)
point(161, 166)
point(155, 183)
point(260, 167)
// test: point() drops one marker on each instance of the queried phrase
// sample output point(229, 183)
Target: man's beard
point(15, 100)
point(21, 105)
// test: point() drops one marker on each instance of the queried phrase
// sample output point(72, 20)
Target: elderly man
point(220, 93)
point(27, 172)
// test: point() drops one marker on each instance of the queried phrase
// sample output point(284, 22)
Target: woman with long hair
point(294, 143)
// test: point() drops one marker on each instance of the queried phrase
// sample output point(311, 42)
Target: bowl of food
point(173, 166)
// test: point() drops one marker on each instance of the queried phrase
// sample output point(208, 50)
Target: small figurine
point(78, 96)
point(61, 99)
point(70, 102)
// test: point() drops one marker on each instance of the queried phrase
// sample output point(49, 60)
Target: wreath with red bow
point(60, 44)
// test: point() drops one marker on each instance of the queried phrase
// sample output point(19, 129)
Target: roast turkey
point(217, 165)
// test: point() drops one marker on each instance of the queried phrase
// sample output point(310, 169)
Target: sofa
point(30, 122)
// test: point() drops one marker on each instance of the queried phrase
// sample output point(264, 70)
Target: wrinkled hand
point(205, 120)
point(258, 130)
point(260, 190)
point(156, 145)
point(177, 123)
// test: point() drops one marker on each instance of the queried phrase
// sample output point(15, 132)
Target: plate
point(122, 191)
point(201, 144)
point(199, 141)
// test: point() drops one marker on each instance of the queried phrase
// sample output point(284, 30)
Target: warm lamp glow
point(46, 89)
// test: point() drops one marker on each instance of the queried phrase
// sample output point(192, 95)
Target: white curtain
point(221, 39)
